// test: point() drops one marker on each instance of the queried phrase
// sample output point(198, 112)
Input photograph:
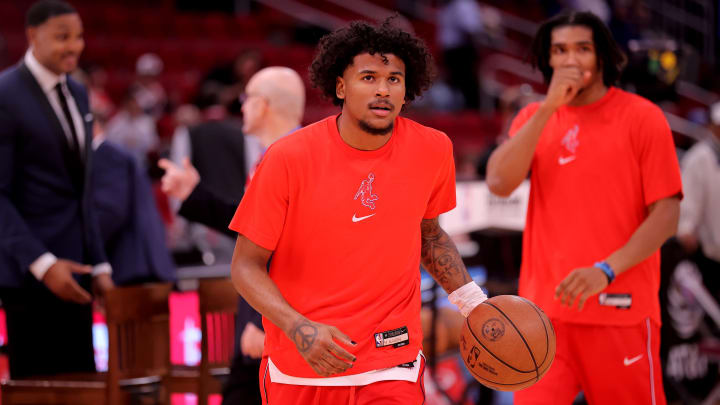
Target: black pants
point(242, 386)
point(46, 335)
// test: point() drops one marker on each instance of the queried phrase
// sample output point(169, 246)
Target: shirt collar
point(47, 79)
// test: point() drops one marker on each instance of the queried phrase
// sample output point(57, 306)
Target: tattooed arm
point(441, 258)
point(315, 341)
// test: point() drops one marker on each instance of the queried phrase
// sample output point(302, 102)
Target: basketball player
point(348, 207)
point(604, 196)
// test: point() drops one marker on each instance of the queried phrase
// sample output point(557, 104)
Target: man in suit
point(50, 250)
point(218, 151)
point(273, 106)
point(128, 219)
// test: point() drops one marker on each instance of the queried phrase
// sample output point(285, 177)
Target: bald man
point(272, 106)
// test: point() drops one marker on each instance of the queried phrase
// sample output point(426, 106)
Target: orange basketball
point(507, 343)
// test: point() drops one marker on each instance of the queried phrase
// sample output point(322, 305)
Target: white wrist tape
point(467, 297)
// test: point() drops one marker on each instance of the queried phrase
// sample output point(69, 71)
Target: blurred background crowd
point(161, 72)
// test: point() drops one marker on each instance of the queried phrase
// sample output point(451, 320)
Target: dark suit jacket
point(209, 208)
point(44, 200)
point(218, 153)
point(129, 222)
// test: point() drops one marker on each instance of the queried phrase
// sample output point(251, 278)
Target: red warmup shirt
point(595, 171)
point(344, 226)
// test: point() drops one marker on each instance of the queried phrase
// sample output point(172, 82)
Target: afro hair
point(337, 50)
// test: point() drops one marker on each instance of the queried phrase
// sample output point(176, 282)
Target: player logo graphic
point(570, 140)
point(367, 198)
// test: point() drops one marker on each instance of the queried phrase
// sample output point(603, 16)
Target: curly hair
point(337, 50)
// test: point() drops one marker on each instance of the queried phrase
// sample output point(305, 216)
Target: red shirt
point(595, 170)
point(344, 226)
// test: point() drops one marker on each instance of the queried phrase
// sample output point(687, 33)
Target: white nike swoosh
point(565, 160)
point(628, 362)
point(356, 219)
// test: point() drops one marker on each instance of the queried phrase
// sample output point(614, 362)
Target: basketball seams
point(467, 323)
point(499, 383)
point(527, 346)
point(547, 336)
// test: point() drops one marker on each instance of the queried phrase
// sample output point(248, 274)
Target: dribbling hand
point(565, 84)
point(316, 344)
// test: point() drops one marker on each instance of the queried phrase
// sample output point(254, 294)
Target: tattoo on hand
point(440, 256)
point(304, 334)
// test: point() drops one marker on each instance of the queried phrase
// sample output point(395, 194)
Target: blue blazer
point(129, 222)
point(45, 202)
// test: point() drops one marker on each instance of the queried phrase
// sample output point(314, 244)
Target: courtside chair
point(139, 355)
point(218, 307)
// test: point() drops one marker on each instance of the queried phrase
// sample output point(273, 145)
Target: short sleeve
point(521, 118)
point(442, 198)
point(261, 214)
point(658, 160)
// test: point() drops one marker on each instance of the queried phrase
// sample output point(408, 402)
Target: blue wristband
point(605, 267)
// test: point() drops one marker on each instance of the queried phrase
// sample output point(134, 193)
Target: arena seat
point(218, 307)
point(139, 355)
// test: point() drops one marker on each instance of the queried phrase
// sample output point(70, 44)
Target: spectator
point(149, 92)
point(460, 26)
point(227, 82)
point(133, 129)
point(598, 7)
point(100, 101)
point(699, 226)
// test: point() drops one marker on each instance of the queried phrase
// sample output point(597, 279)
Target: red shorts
point(617, 365)
point(379, 393)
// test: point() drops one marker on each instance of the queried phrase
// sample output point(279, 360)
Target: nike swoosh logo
point(565, 160)
point(358, 219)
point(628, 362)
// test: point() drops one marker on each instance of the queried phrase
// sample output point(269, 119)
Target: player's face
point(573, 46)
point(373, 90)
point(58, 42)
point(254, 107)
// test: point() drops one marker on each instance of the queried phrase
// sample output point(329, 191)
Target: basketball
point(507, 343)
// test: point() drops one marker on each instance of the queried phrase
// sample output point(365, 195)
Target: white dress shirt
point(47, 81)
point(699, 209)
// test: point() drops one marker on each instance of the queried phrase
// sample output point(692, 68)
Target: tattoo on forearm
point(303, 335)
point(440, 256)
